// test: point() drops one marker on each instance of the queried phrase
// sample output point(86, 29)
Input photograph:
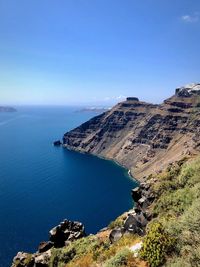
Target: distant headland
point(93, 109)
point(7, 109)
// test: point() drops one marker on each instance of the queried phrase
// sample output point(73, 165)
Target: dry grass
point(84, 261)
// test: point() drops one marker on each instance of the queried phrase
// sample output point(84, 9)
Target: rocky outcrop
point(132, 99)
point(44, 246)
point(66, 231)
point(139, 216)
point(57, 143)
point(69, 231)
point(188, 90)
point(23, 259)
point(32, 260)
point(60, 236)
point(116, 234)
point(143, 137)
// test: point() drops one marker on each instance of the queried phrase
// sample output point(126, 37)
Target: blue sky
point(96, 51)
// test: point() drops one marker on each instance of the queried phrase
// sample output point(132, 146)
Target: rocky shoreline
point(143, 137)
point(60, 236)
point(68, 231)
point(137, 218)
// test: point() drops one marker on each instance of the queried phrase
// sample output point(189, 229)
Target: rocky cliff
point(141, 136)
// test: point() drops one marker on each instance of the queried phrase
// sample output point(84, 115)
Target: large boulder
point(66, 231)
point(136, 193)
point(116, 234)
point(141, 219)
point(57, 143)
point(143, 195)
point(44, 246)
point(144, 203)
point(133, 226)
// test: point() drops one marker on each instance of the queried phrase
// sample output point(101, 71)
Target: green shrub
point(120, 259)
point(60, 257)
point(177, 208)
point(163, 186)
point(178, 262)
point(186, 174)
point(75, 250)
point(116, 223)
point(174, 202)
point(100, 249)
point(190, 173)
point(157, 244)
point(105, 250)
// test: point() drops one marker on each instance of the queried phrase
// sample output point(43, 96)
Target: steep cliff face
point(143, 137)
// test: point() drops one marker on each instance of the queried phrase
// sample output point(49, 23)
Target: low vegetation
point(173, 236)
point(177, 209)
point(118, 222)
point(157, 244)
point(91, 251)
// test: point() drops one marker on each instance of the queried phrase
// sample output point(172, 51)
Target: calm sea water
point(40, 184)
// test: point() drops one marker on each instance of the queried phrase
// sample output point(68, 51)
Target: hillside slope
point(143, 137)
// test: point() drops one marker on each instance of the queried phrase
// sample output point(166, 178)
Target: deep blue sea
point(40, 184)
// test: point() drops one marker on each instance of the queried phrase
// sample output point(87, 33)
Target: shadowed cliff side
point(143, 137)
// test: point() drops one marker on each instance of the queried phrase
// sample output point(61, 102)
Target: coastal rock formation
point(139, 216)
point(60, 236)
point(23, 259)
point(66, 231)
point(143, 137)
point(44, 246)
point(57, 143)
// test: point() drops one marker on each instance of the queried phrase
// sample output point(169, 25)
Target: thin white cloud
point(110, 98)
point(120, 97)
point(191, 18)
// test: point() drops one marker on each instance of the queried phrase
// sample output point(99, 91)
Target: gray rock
point(136, 193)
point(143, 202)
point(182, 92)
point(23, 259)
point(135, 224)
point(66, 231)
point(132, 99)
point(131, 224)
point(44, 246)
point(140, 217)
point(42, 260)
point(57, 143)
point(116, 234)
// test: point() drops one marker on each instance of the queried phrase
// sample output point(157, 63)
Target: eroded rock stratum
point(143, 137)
